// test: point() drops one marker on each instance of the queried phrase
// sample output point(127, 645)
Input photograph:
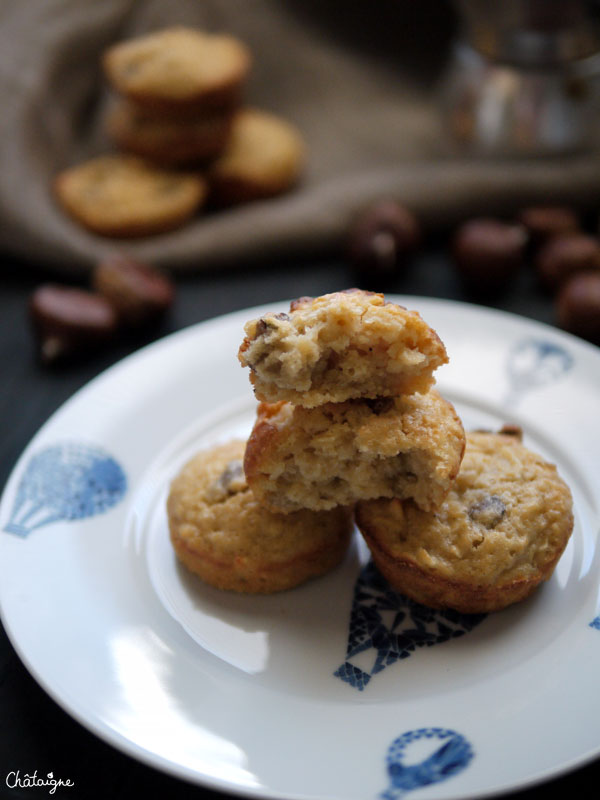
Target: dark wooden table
point(35, 733)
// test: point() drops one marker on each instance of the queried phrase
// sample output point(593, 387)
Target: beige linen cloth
point(358, 79)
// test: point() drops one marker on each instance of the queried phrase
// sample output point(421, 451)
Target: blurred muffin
point(176, 142)
point(125, 196)
point(263, 158)
point(179, 70)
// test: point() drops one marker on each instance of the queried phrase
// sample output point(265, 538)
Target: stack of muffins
point(183, 134)
point(349, 421)
point(177, 93)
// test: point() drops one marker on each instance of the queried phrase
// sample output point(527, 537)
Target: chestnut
point(381, 241)
point(563, 256)
point(544, 222)
point(140, 294)
point(578, 306)
point(69, 322)
point(487, 253)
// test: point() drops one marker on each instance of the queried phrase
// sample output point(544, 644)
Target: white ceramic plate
point(337, 689)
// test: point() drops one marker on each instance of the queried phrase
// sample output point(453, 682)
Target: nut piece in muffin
point(125, 196)
point(263, 157)
point(344, 345)
point(338, 453)
point(498, 535)
point(179, 70)
point(221, 533)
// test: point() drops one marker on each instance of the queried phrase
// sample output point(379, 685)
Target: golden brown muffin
point(339, 346)
point(125, 196)
point(168, 140)
point(338, 453)
point(179, 70)
point(264, 157)
point(496, 537)
point(221, 533)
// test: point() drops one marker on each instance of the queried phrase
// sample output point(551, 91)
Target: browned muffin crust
point(221, 533)
point(497, 536)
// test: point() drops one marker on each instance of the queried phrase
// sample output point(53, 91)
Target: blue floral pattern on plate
point(393, 626)
point(450, 758)
point(65, 481)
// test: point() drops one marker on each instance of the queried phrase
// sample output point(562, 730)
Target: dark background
point(35, 734)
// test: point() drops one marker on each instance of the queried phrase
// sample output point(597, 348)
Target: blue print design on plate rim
point(533, 363)
point(595, 623)
point(392, 626)
point(65, 481)
point(450, 758)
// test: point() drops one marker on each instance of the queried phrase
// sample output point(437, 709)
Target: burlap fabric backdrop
point(359, 80)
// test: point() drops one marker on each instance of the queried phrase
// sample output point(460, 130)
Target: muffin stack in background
point(183, 135)
point(349, 420)
point(177, 93)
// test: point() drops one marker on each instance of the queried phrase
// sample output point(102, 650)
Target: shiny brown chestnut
point(563, 256)
point(544, 222)
point(578, 306)
point(69, 322)
point(381, 241)
point(487, 253)
point(140, 294)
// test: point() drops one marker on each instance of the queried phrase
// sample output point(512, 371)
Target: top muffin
point(178, 69)
point(344, 345)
